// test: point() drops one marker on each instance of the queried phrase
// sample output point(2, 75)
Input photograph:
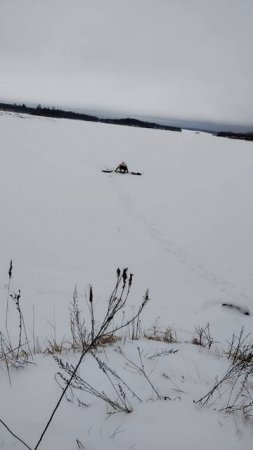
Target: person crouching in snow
point(122, 168)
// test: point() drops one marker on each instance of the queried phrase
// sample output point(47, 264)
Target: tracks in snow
point(226, 288)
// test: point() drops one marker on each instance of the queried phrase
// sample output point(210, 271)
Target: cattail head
point(10, 270)
point(124, 275)
point(146, 296)
point(91, 295)
point(130, 279)
point(118, 272)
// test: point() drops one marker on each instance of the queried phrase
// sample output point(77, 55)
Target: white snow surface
point(183, 228)
point(185, 62)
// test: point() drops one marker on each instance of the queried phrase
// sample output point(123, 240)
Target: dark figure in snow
point(122, 168)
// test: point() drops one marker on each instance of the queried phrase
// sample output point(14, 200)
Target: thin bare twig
point(14, 435)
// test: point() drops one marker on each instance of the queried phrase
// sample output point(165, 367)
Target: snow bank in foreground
point(175, 423)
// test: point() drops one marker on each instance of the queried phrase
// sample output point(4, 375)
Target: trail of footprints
point(226, 288)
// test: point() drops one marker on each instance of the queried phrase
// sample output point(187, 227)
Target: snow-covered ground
point(161, 424)
point(178, 61)
point(183, 228)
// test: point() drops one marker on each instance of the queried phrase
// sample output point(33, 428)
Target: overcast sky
point(170, 59)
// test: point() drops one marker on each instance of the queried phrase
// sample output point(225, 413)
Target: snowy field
point(177, 61)
point(184, 228)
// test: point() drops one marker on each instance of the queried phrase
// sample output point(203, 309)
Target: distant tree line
point(63, 114)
